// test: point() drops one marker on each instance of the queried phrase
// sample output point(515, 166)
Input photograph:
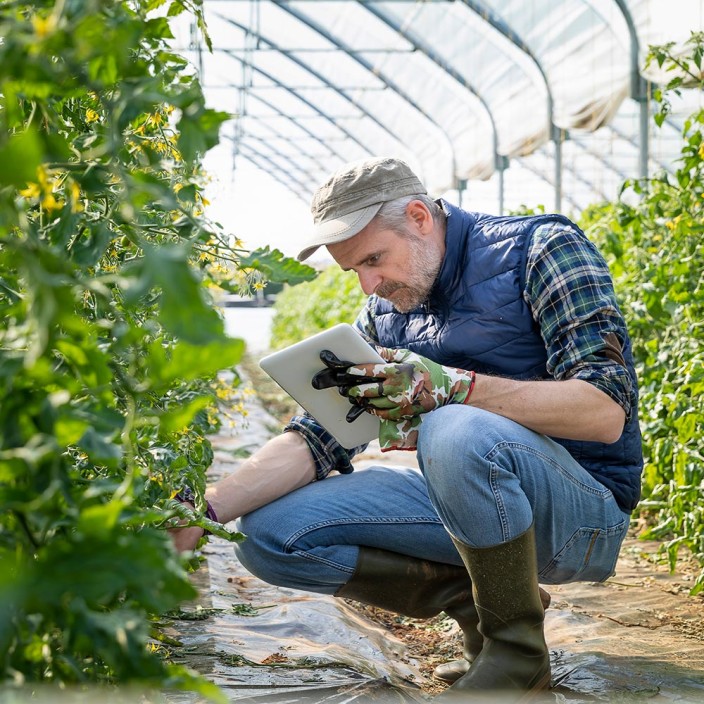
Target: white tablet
point(294, 367)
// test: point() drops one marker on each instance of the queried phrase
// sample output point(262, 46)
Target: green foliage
point(303, 310)
point(109, 343)
point(656, 253)
point(272, 264)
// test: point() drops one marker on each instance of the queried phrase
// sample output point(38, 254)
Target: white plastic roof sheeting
point(518, 101)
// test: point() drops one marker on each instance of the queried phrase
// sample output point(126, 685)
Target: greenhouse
point(506, 103)
point(522, 518)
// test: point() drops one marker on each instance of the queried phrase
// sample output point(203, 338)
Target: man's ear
point(419, 215)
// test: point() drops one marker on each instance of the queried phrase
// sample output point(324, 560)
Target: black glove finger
point(332, 361)
point(336, 374)
point(333, 373)
point(325, 379)
point(354, 412)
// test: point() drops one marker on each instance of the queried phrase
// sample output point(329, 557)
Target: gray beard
point(409, 296)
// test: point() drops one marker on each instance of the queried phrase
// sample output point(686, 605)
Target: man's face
point(401, 268)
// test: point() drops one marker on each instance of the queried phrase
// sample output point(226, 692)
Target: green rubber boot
point(514, 662)
point(450, 672)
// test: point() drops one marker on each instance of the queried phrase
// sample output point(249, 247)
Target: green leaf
point(199, 130)
point(172, 421)
point(20, 157)
point(188, 362)
point(100, 448)
point(182, 308)
point(276, 267)
point(99, 521)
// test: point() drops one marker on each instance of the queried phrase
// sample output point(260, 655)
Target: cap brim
point(339, 229)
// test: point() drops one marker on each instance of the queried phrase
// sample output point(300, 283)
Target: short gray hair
point(392, 214)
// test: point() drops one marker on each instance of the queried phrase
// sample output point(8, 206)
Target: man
point(510, 373)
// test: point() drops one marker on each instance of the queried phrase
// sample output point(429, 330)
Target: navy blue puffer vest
point(476, 318)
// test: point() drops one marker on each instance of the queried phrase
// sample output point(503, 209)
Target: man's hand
point(397, 392)
point(408, 385)
point(186, 539)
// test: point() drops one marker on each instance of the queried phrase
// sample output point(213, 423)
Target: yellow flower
point(32, 190)
point(75, 196)
point(701, 150)
point(155, 119)
point(50, 203)
point(44, 26)
point(92, 115)
point(670, 225)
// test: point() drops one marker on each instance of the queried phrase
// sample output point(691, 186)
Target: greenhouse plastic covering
point(516, 101)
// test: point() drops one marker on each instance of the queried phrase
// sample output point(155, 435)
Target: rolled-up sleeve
point(328, 454)
point(570, 292)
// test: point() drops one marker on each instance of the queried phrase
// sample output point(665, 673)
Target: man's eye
point(373, 259)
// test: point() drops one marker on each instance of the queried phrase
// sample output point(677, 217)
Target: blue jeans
point(483, 479)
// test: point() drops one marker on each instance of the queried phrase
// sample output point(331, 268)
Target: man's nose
point(368, 281)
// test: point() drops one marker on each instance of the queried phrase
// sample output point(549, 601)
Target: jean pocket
point(590, 555)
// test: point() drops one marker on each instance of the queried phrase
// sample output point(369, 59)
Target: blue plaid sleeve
point(328, 454)
point(570, 291)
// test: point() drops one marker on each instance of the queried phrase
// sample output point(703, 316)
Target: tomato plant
point(654, 239)
point(110, 344)
point(303, 310)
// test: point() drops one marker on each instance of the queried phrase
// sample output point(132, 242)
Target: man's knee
point(455, 440)
point(261, 552)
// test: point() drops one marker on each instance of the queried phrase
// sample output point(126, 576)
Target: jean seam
point(322, 561)
point(288, 544)
point(499, 499)
point(603, 493)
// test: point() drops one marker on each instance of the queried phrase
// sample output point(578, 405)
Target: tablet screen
point(293, 369)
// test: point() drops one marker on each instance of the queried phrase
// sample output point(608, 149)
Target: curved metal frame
point(639, 88)
point(311, 24)
point(315, 74)
point(305, 101)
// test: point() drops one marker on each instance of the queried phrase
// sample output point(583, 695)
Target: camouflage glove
point(398, 392)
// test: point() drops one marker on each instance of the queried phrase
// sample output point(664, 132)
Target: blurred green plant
point(303, 310)
point(110, 346)
point(655, 246)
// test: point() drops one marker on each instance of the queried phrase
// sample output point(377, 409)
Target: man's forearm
point(571, 409)
point(280, 466)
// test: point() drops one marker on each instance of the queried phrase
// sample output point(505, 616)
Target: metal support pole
point(501, 166)
point(639, 89)
point(557, 141)
point(461, 188)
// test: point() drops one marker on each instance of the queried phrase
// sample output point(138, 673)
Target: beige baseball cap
point(346, 203)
